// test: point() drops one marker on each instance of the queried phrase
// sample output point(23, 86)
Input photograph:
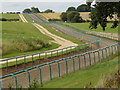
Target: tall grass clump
point(23, 45)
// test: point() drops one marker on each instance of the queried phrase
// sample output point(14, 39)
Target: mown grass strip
point(85, 26)
point(88, 77)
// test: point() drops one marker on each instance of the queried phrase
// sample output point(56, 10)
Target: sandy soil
point(59, 40)
point(23, 18)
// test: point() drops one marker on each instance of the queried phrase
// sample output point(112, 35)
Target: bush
point(23, 45)
point(4, 19)
point(71, 16)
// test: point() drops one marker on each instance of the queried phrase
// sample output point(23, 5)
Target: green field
point(62, 35)
point(85, 26)
point(23, 38)
point(10, 16)
point(27, 18)
point(90, 77)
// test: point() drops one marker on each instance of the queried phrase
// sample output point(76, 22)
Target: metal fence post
point(79, 61)
point(28, 77)
point(109, 50)
point(112, 49)
point(94, 57)
point(58, 68)
point(73, 63)
point(84, 60)
point(98, 55)
point(106, 52)
point(40, 76)
point(66, 65)
point(16, 83)
point(102, 54)
point(50, 71)
point(90, 58)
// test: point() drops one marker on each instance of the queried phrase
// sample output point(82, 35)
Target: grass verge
point(87, 78)
point(85, 26)
point(10, 16)
point(27, 18)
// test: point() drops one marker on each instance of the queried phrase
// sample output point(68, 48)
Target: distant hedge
point(54, 20)
point(4, 19)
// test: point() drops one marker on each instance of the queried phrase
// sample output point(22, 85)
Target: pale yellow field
point(50, 15)
point(84, 15)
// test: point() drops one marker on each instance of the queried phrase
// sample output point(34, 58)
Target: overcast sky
point(20, 5)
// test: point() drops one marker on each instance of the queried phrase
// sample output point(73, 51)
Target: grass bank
point(23, 38)
point(10, 16)
point(85, 26)
point(89, 77)
point(53, 31)
point(27, 18)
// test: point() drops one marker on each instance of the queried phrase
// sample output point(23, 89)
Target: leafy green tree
point(101, 11)
point(71, 9)
point(83, 8)
point(73, 17)
point(48, 11)
point(27, 11)
point(64, 16)
point(35, 10)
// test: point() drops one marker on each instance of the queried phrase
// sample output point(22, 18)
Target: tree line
point(36, 10)
point(80, 8)
point(72, 14)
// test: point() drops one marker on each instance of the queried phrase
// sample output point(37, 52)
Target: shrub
point(23, 45)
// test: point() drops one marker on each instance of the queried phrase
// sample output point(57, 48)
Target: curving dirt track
point(23, 18)
point(59, 40)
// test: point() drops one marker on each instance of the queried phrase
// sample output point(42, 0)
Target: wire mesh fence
point(57, 68)
point(26, 61)
point(93, 32)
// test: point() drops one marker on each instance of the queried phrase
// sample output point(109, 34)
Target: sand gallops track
point(23, 18)
point(59, 40)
